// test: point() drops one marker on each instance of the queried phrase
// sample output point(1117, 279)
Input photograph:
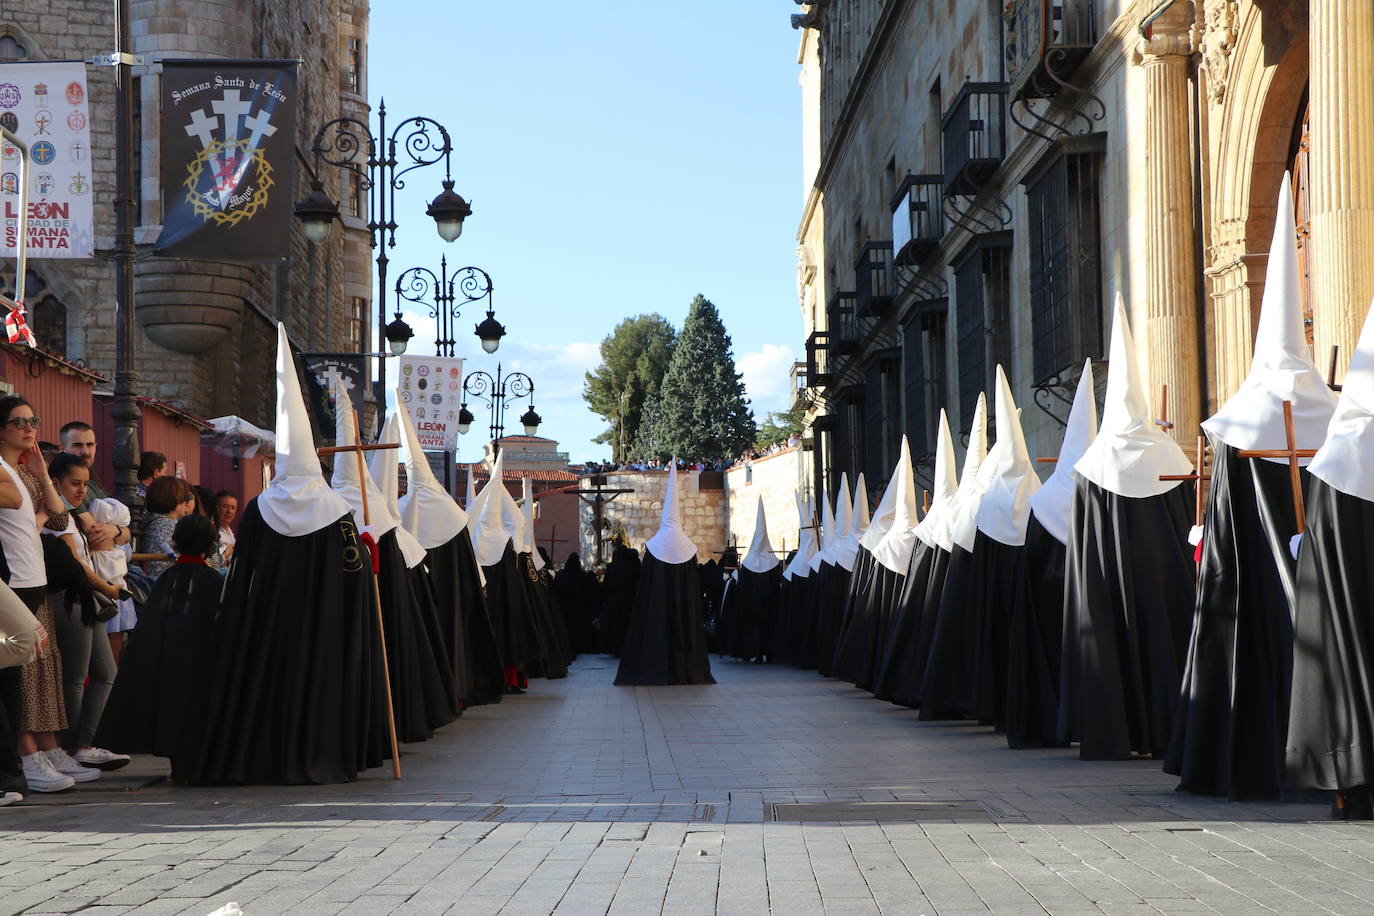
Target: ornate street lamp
point(422, 286)
point(495, 392)
point(379, 162)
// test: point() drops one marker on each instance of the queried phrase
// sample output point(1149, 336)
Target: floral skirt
point(45, 710)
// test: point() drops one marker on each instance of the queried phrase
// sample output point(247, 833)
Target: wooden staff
point(1292, 453)
point(925, 502)
point(376, 593)
point(1163, 421)
point(1331, 370)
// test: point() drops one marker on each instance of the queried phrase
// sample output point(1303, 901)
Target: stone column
point(1170, 328)
point(1342, 184)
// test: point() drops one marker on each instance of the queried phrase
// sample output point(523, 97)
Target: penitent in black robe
point(1232, 718)
point(422, 686)
point(1035, 640)
point(946, 691)
point(665, 642)
point(1128, 595)
point(618, 595)
point(468, 635)
point(553, 656)
point(512, 617)
point(1331, 718)
point(853, 641)
point(293, 690)
point(901, 601)
point(911, 667)
point(755, 606)
point(996, 583)
point(160, 670)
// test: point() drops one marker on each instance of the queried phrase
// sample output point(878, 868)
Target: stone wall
point(637, 515)
point(774, 479)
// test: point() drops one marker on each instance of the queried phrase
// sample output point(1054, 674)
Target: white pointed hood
point(1130, 453)
point(1006, 505)
point(973, 480)
point(671, 544)
point(760, 558)
point(894, 550)
point(934, 529)
point(427, 511)
point(492, 520)
point(531, 544)
point(1282, 368)
point(806, 543)
point(1345, 459)
point(847, 550)
point(470, 497)
point(297, 501)
point(858, 526)
point(826, 552)
point(883, 517)
point(843, 514)
point(1053, 502)
point(385, 464)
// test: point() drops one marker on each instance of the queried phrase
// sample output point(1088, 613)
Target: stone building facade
point(207, 327)
point(981, 178)
point(774, 479)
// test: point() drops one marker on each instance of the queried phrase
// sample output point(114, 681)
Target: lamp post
point(496, 391)
point(125, 411)
point(378, 164)
point(420, 283)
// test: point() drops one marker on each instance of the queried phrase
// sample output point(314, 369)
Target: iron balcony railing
point(817, 359)
point(975, 137)
point(1046, 41)
point(918, 218)
point(844, 327)
point(873, 280)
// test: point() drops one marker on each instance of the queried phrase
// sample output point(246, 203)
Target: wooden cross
point(553, 538)
point(1199, 475)
point(357, 449)
point(1292, 453)
point(1164, 422)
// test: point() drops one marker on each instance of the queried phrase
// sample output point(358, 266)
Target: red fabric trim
point(190, 559)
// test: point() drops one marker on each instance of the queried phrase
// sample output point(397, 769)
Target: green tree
point(779, 427)
point(702, 410)
point(633, 359)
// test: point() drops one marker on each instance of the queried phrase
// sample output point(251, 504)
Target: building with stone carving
point(982, 177)
point(207, 327)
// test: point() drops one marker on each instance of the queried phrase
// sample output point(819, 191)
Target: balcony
point(843, 325)
point(918, 218)
point(873, 280)
point(975, 137)
point(798, 377)
point(1046, 41)
point(817, 359)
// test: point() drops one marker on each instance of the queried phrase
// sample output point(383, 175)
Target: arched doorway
point(1300, 170)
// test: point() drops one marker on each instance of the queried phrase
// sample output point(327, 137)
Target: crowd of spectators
point(714, 464)
point(75, 568)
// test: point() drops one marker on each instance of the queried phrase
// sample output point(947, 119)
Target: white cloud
point(766, 377)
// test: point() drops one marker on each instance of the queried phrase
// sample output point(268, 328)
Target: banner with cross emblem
point(228, 157)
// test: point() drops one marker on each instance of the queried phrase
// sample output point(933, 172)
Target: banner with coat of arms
point(44, 104)
point(432, 393)
point(228, 157)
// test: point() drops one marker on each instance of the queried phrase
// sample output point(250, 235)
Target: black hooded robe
point(852, 640)
point(422, 686)
point(292, 690)
point(901, 601)
point(508, 599)
point(834, 592)
point(665, 642)
point(911, 670)
point(1331, 717)
point(1232, 718)
point(946, 691)
point(997, 584)
point(1127, 603)
point(755, 606)
point(468, 635)
point(1035, 638)
point(620, 585)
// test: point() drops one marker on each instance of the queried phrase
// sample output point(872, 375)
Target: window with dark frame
point(355, 66)
point(357, 322)
point(982, 278)
point(355, 196)
point(1065, 263)
point(935, 325)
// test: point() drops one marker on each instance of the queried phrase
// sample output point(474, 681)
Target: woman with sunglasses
point(169, 499)
point(47, 767)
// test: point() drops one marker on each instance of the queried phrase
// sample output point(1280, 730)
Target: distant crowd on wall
point(78, 569)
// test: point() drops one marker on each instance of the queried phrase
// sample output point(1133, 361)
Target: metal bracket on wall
point(967, 217)
point(1055, 394)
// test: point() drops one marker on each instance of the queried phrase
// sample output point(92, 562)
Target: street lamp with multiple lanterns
point(349, 144)
point(420, 284)
point(495, 391)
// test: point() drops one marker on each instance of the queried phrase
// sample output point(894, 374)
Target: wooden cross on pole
point(1164, 422)
point(358, 449)
point(1292, 453)
point(600, 497)
point(1199, 474)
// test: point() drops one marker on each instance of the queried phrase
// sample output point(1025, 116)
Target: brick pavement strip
point(586, 798)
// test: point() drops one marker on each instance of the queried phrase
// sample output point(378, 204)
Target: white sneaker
point(10, 798)
point(100, 759)
point(63, 763)
point(40, 775)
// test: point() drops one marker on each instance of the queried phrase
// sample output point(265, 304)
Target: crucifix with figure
point(600, 496)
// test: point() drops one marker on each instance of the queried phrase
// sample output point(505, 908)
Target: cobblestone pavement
point(586, 798)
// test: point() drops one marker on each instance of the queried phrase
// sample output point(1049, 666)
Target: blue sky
point(620, 157)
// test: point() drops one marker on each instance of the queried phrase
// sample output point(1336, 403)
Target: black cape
point(162, 663)
point(1127, 603)
point(1034, 643)
point(785, 636)
point(1331, 718)
point(997, 584)
point(577, 603)
point(422, 686)
point(755, 606)
point(900, 600)
point(468, 635)
point(293, 690)
point(665, 642)
point(834, 593)
point(804, 616)
point(553, 655)
point(620, 583)
point(911, 667)
point(512, 617)
point(854, 639)
point(1232, 718)
point(947, 691)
